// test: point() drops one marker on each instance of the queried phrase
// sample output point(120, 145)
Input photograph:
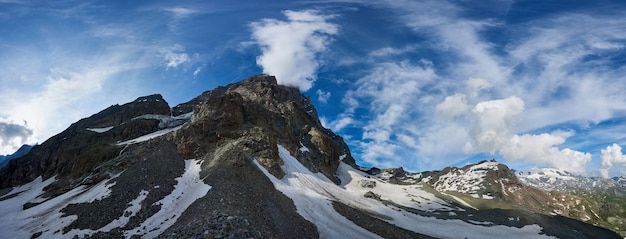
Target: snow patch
point(188, 189)
point(303, 148)
point(132, 210)
point(100, 130)
point(46, 217)
point(150, 136)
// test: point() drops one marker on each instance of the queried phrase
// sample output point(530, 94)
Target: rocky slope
point(251, 160)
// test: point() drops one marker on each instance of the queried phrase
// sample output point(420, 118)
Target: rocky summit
point(252, 160)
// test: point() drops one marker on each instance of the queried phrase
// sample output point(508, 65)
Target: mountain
point(599, 201)
point(23, 150)
point(252, 160)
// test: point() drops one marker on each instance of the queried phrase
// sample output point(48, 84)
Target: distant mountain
point(599, 201)
point(560, 180)
point(4, 159)
point(252, 160)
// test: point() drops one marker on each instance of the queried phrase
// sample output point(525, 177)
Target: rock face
point(255, 115)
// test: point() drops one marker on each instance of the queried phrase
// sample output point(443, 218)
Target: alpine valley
point(252, 160)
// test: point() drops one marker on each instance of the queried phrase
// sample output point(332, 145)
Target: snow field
point(48, 219)
point(45, 217)
point(312, 193)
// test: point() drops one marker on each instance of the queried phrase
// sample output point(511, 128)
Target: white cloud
point(197, 71)
point(322, 96)
point(493, 123)
point(390, 51)
point(181, 12)
point(476, 85)
point(611, 157)
point(452, 106)
point(340, 123)
point(290, 48)
point(174, 56)
point(391, 93)
point(14, 135)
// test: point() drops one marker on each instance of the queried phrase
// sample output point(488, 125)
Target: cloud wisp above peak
point(290, 49)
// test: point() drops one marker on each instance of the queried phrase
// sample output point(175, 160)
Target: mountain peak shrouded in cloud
point(290, 49)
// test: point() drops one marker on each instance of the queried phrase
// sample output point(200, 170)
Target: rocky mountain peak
point(259, 114)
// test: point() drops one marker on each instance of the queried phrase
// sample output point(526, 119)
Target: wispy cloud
point(174, 56)
point(289, 49)
point(181, 12)
point(488, 96)
point(322, 96)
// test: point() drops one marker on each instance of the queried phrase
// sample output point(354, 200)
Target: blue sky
point(419, 84)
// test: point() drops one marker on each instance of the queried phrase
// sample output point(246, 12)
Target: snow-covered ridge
point(312, 194)
point(468, 181)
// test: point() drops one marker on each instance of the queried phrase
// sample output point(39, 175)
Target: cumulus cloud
point(493, 131)
point(492, 121)
point(290, 49)
point(452, 106)
point(13, 135)
point(611, 156)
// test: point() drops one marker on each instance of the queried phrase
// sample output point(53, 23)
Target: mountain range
point(252, 160)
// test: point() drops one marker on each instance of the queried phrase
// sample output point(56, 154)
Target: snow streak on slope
point(100, 130)
point(312, 193)
point(150, 136)
point(189, 188)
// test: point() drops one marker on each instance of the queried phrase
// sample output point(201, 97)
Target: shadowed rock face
point(77, 150)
